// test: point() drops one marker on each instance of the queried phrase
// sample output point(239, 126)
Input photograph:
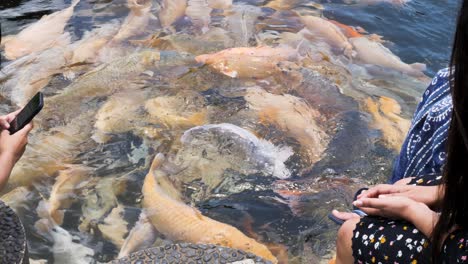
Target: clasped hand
point(397, 201)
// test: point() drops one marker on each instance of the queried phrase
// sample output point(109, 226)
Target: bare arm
point(6, 165)
point(399, 207)
point(11, 149)
point(422, 217)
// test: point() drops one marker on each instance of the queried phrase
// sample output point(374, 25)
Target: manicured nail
point(357, 203)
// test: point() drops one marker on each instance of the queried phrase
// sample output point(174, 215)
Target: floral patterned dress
point(381, 240)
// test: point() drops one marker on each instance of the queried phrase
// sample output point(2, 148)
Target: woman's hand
point(428, 195)
point(11, 149)
point(395, 207)
point(12, 146)
point(6, 119)
point(399, 207)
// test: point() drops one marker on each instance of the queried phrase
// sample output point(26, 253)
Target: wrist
point(415, 210)
point(7, 159)
point(422, 217)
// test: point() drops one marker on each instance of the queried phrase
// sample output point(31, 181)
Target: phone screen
point(27, 114)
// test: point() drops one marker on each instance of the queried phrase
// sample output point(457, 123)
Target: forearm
point(430, 195)
point(6, 165)
point(423, 218)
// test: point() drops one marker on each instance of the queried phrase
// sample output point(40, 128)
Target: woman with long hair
point(422, 219)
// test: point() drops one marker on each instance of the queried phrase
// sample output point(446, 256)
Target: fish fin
point(418, 66)
point(5, 40)
point(232, 74)
point(203, 58)
point(74, 3)
point(158, 160)
point(43, 209)
point(43, 226)
point(57, 216)
point(198, 214)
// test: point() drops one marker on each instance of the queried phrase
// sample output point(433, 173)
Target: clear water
point(235, 184)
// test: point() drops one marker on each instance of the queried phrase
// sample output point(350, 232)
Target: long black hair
point(454, 205)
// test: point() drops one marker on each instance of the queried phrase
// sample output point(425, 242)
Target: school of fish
point(161, 125)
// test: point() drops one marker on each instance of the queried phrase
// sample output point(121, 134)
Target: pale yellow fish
point(386, 117)
point(43, 34)
point(173, 112)
point(374, 53)
point(136, 21)
point(114, 227)
point(199, 13)
point(180, 222)
point(214, 40)
point(100, 200)
point(142, 236)
point(292, 115)
point(323, 30)
point(109, 77)
point(220, 4)
point(18, 198)
point(118, 115)
point(87, 49)
point(246, 62)
point(240, 23)
point(49, 152)
point(123, 73)
point(171, 10)
point(67, 248)
point(64, 191)
point(30, 78)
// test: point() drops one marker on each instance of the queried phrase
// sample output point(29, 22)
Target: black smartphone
point(27, 114)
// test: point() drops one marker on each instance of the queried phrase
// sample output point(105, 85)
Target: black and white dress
point(381, 240)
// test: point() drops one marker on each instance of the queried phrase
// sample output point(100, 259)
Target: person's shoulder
point(439, 84)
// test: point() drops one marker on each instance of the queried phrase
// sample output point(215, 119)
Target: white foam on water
point(263, 149)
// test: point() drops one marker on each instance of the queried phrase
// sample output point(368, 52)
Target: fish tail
point(158, 160)
point(416, 69)
point(74, 3)
point(57, 216)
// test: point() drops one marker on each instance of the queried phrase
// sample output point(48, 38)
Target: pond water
point(269, 114)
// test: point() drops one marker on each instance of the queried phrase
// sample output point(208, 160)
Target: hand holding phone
point(26, 115)
point(6, 119)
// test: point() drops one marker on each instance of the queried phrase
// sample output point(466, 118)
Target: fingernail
point(357, 203)
point(382, 196)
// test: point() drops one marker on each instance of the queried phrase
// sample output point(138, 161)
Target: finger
point(4, 123)
point(4, 133)
point(370, 202)
point(344, 215)
point(377, 190)
point(12, 115)
point(26, 129)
